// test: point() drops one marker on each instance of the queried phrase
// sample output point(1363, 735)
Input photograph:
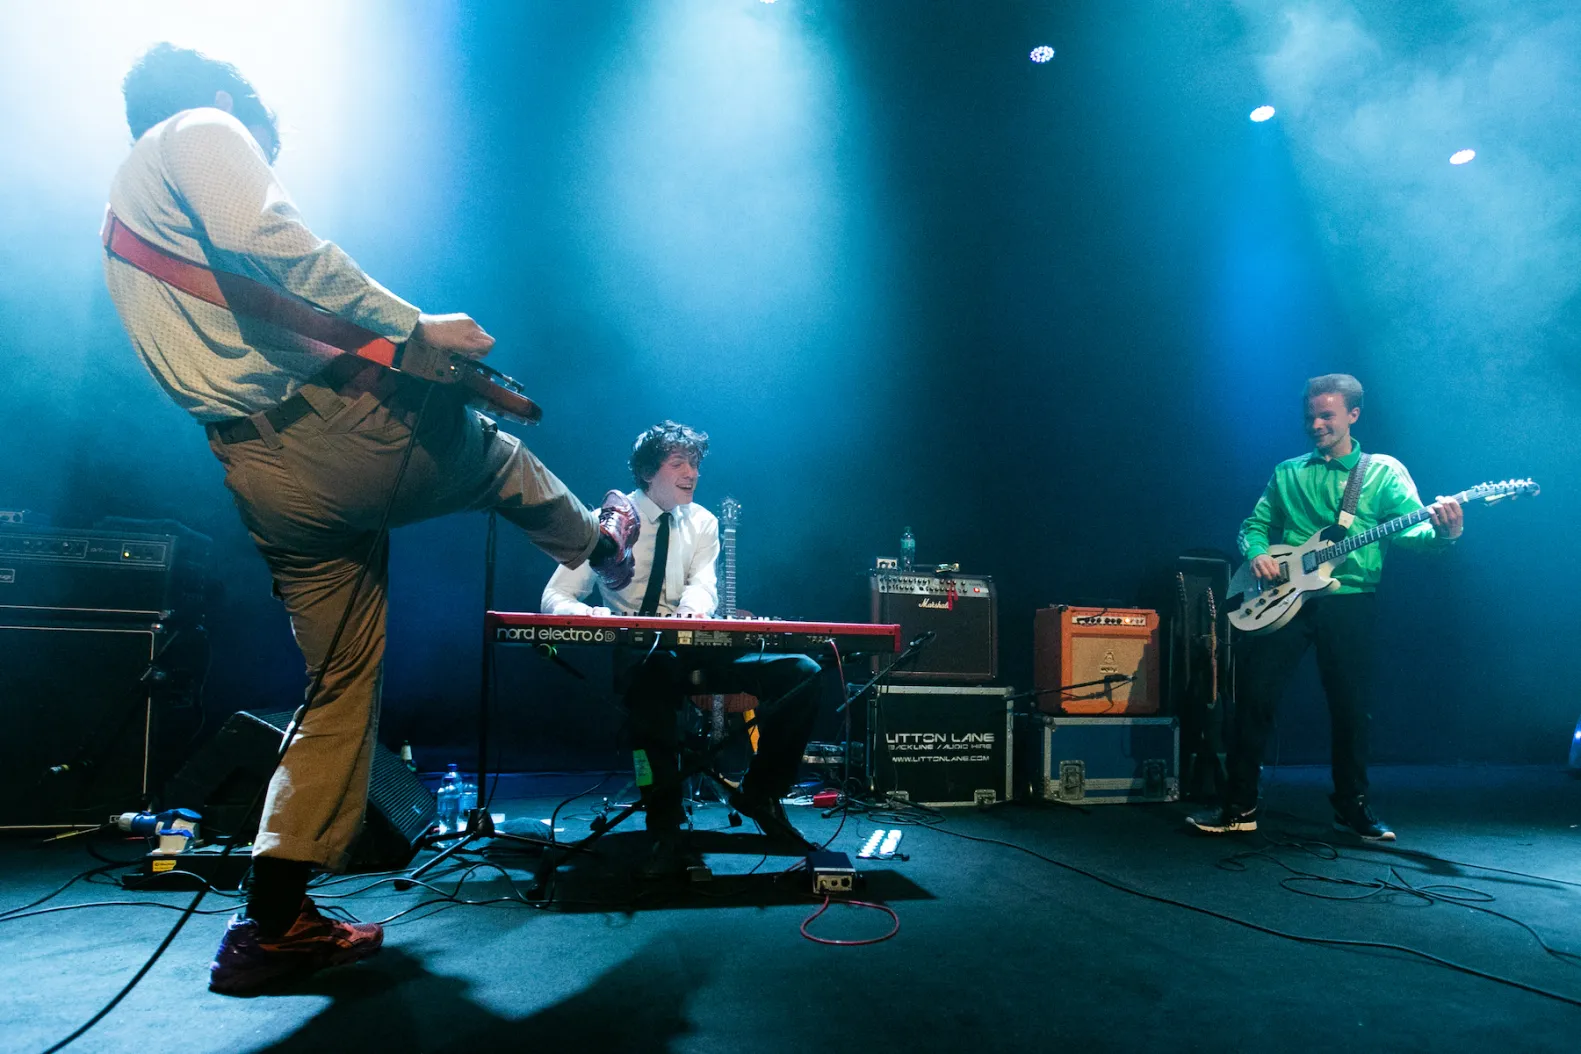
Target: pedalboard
point(192, 869)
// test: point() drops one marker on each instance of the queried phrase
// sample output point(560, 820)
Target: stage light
point(1460, 157)
point(1262, 113)
point(1575, 749)
point(1042, 53)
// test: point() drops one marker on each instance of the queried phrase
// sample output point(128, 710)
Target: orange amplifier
point(1112, 653)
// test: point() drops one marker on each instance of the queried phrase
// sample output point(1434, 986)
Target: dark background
point(1055, 318)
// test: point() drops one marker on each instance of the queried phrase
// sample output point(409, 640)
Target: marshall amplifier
point(111, 572)
point(960, 610)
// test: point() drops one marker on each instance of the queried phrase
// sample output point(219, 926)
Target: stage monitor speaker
point(961, 612)
point(1115, 647)
point(223, 776)
point(76, 722)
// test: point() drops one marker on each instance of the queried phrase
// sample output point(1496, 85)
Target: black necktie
point(661, 558)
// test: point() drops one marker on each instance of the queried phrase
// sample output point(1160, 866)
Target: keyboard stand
point(694, 762)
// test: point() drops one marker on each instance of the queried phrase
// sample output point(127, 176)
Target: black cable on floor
point(1417, 854)
point(555, 816)
point(1461, 896)
point(81, 876)
point(1258, 927)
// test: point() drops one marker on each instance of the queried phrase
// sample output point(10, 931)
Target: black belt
point(243, 429)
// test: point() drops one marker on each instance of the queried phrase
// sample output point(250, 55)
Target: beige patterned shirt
point(197, 185)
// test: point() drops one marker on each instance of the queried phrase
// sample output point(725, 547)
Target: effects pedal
point(832, 873)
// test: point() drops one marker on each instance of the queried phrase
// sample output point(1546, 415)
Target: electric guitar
point(303, 325)
point(1212, 642)
point(717, 706)
point(1207, 641)
point(1307, 569)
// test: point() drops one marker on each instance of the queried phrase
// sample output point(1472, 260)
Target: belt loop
point(266, 430)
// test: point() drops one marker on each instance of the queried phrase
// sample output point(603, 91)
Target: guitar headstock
point(1497, 492)
point(729, 513)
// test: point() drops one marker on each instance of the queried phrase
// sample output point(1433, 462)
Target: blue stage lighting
point(1262, 113)
point(1460, 157)
point(1042, 53)
point(1575, 749)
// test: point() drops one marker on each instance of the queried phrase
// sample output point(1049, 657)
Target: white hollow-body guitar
point(1306, 569)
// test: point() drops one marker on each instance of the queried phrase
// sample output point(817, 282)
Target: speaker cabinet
point(959, 610)
point(1111, 652)
point(77, 722)
point(221, 779)
point(943, 745)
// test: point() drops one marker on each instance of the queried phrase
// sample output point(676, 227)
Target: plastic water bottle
point(469, 802)
point(908, 551)
point(450, 800)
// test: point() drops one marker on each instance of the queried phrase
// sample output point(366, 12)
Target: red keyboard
point(733, 634)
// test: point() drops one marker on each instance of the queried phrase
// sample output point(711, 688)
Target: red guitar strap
point(245, 297)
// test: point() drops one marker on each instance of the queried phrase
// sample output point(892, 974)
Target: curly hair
point(168, 80)
point(654, 447)
point(1336, 384)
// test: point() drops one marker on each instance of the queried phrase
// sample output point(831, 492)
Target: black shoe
point(1227, 819)
point(663, 810)
point(769, 815)
point(1354, 815)
point(672, 858)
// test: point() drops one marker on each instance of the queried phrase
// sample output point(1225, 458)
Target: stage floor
point(997, 950)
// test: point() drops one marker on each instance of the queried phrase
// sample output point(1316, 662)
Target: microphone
point(921, 640)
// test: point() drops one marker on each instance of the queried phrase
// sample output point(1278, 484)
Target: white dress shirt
point(690, 587)
point(197, 186)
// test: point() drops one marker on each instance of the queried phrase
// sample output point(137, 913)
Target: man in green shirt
point(1302, 498)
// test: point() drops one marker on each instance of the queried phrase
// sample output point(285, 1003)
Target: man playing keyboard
point(675, 551)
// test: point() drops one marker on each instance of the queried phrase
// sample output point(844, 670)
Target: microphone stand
point(870, 739)
point(480, 823)
point(1107, 680)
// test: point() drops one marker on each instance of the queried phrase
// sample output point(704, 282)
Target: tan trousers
point(311, 495)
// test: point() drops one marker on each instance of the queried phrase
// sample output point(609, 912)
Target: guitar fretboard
point(729, 520)
point(1373, 534)
point(727, 602)
point(1409, 520)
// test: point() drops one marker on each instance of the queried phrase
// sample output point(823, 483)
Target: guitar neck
point(1378, 533)
point(727, 593)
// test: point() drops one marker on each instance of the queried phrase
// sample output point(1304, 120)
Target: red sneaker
point(246, 963)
